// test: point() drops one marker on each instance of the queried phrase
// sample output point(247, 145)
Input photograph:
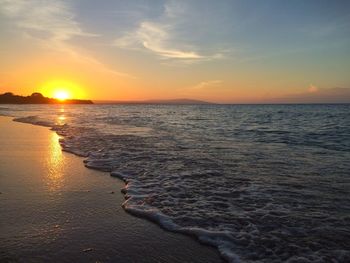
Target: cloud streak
point(207, 84)
point(52, 24)
point(313, 89)
point(160, 37)
point(155, 38)
point(51, 19)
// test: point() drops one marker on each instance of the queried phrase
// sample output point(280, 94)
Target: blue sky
point(229, 48)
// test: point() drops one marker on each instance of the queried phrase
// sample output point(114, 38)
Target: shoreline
point(60, 211)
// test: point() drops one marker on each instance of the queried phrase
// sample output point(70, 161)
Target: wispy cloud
point(49, 19)
point(207, 84)
point(51, 24)
point(313, 89)
point(160, 37)
point(156, 38)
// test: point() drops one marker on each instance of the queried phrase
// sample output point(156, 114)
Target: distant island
point(36, 98)
point(171, 102)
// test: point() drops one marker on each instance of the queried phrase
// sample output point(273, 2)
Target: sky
point(221, 51)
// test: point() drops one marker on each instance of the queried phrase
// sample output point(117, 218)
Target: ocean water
point(262, 183)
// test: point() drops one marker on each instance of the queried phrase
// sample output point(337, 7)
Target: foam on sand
point(247, 180)
point(53, 209)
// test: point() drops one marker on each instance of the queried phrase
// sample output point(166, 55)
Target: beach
point(175, 131)
point(249, 181)
point(53, 209)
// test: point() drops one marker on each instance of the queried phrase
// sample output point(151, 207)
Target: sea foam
point(262, 184)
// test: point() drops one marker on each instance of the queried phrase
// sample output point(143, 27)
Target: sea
point(261, 183)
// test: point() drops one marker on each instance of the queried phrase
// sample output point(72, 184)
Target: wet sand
point(53, 209)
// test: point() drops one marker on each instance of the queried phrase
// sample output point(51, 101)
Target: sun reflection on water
point(61, 118)
point(55, 163)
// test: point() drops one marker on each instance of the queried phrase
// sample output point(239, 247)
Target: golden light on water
point(55, 163)
point(61, 118)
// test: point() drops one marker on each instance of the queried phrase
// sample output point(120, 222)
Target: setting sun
point(62, 90)
point(61, 95)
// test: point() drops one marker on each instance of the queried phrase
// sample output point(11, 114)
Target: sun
point(62, 90)
point(61, 95)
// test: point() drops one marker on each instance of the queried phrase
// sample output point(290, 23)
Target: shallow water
point(263, 183)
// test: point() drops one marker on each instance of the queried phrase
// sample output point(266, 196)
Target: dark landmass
point(169, 102)
point(36, 98)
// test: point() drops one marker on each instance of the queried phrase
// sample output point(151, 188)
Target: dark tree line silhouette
point(36, 98)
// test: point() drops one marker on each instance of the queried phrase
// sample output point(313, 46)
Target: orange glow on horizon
point(61, 95)
point(62, 90)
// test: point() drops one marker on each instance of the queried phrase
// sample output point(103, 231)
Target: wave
point(254, 202)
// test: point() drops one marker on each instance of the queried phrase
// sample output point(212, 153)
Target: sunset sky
point(220, 51)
